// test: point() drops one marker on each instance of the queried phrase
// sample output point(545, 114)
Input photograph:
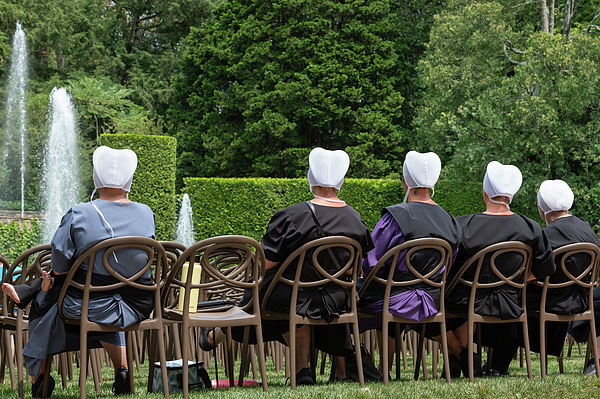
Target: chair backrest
point(314, 267)
point(515, 276)
point(577, 264)
point(155, 261)
point(230, 264)
point(174, 251)
point(427, 260)
point(27, 266)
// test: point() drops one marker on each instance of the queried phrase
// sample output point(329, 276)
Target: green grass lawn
point(570, 385)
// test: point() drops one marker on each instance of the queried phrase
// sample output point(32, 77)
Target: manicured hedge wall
point(245, 206)
point(154, 179)
point(14, 241)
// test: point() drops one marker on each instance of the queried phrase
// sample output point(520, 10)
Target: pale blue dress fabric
point(80, 228)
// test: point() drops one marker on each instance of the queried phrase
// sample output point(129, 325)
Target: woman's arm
point(269, 264)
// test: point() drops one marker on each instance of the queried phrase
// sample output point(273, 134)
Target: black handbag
point(215, 306)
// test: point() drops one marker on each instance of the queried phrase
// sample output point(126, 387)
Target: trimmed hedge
point(14, 241)
point(154, 179)
point(245, 206)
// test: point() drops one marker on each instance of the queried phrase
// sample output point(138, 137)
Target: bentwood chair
point(27, 267)
point(314, 252)
point(577, 266)
point(230, 265)
point(494, 278)
point(428, 261)
point(156, 260)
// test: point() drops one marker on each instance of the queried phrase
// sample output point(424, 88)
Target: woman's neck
point(326, 196)
point(112, 194)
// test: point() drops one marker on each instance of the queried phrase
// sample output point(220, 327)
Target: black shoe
point(464, 363)
point(303, 377)
point(38, 387)
point(590, 368)
point(492, 372)
point(455, 369)
point(205, 345)
point(121, 384)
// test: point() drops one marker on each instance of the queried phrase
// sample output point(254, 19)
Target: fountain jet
point(61, 177)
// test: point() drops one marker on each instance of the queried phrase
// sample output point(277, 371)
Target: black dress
point(482, 230)
point(568, 300)
point(288, 230)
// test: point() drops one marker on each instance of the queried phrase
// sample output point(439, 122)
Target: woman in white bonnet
point(85, 224)
point(288, 230)
point(555, 200)
point(496, 224)
point(417, 217)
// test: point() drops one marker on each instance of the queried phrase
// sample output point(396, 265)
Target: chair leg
point(230, 358)
point(470, 350)
point(163, 360)
point(384, 348)
point(95, 372)
point(560, 357)
point(527, 351)
point(543, 357)
point(445, 351)
point(185, 349)
point(594, 347)
point(357, 349)
point(292, 363)
point(19, 357)
point(419, 351)
point(129, 349)
point(9, 353)
point(261, 357)
point(47, 371)
point(83, 364)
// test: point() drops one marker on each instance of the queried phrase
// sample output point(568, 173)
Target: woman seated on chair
point(418, 217)
point(112, 215)
point(497, 224)
point(288, 230)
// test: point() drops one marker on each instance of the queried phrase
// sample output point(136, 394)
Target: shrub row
point(14, 241)
point(245, 206)
point(154, 179)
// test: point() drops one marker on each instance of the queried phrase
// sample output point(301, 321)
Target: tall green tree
point(500, 86)
point(262, 83)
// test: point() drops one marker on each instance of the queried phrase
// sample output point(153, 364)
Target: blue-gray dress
point(80, 228)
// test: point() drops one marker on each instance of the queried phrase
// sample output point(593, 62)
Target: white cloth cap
point(555, 195)
point(502, 180)
point(421, 170)
point(327, 168)
point(114, 168)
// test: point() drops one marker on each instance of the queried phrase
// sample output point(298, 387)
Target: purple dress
point(421, 220)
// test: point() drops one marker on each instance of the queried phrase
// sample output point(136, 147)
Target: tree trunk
point(568, 22)
point(544, 10)
point(551, 17)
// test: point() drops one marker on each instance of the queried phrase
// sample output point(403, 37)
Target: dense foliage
point(245, 206)
point(14, 240)
point(154, 179)
point(499, 87)
point(264, 82)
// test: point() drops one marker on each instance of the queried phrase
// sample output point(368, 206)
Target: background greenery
point(14, 241)
point(154, 179)
point(250, 87)
point(245, 206)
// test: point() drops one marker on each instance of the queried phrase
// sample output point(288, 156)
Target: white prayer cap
point(502, 180)
point(327, 168)
point(554, 195)
point(114, 168)
point(421, 170)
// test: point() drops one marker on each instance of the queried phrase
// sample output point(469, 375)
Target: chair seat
point(234, 314)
